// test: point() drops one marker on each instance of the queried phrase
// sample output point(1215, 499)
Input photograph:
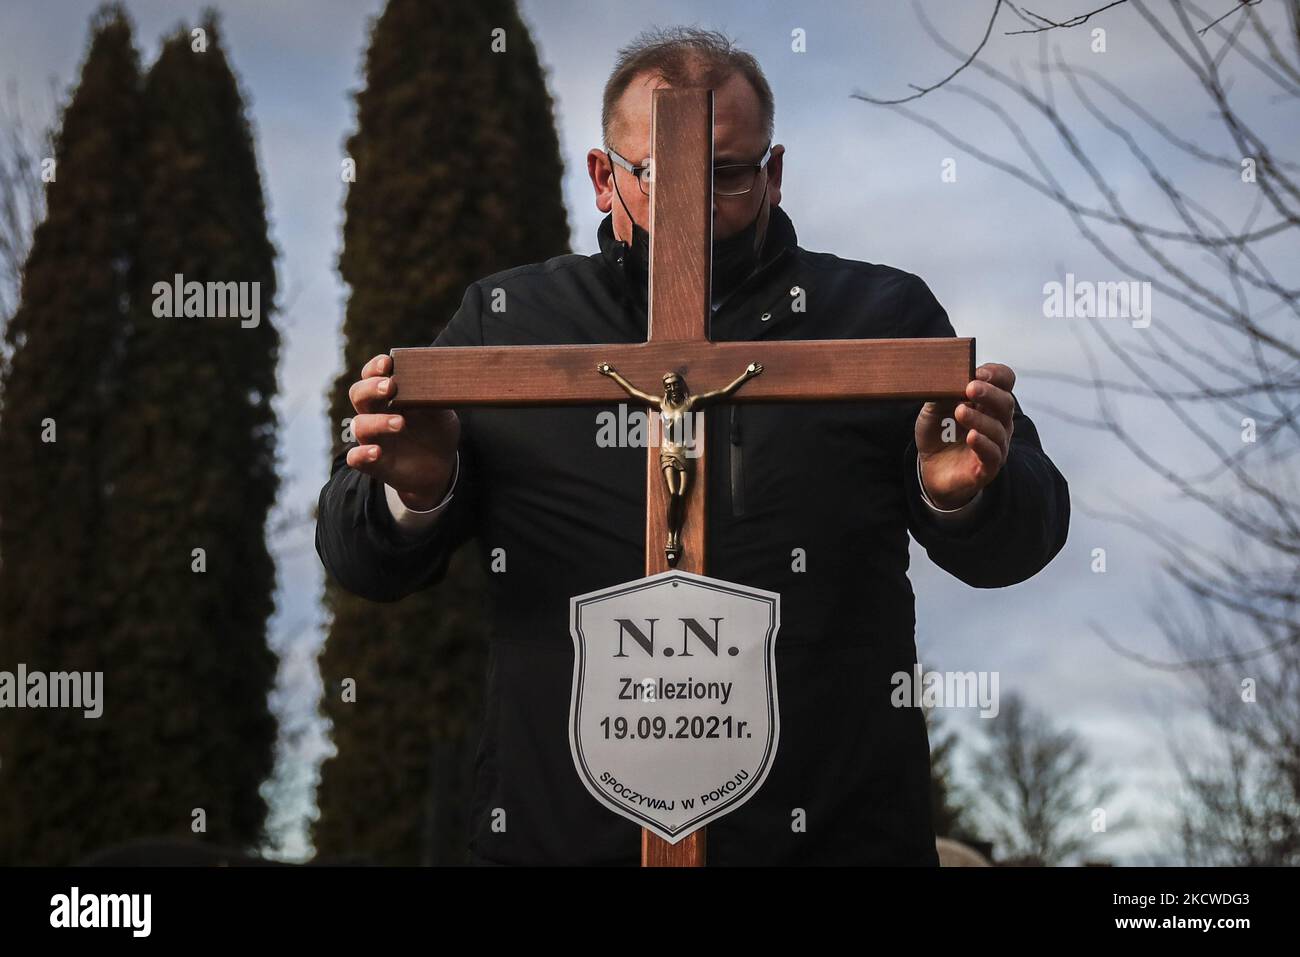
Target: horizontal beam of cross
point(818, 370)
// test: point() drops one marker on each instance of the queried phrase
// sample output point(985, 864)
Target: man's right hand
point(413, 451)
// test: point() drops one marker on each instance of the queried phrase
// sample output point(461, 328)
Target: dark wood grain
point(681, 238)
point(812, 370)
point(688, 852)
point(681, 217)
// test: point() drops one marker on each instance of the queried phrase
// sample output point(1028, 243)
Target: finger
point(984, 424)
point(372, 394)
point(364, 458)
point(370, 427)
point(986, 450)
point(379, 365)
point(940, 409)
point(998, 374)
point(989, 398)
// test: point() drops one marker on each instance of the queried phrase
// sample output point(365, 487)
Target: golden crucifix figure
point(675, 408)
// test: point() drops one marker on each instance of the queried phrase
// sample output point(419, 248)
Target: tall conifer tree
point(457, 176)
point(66, 338)
point(188, 581)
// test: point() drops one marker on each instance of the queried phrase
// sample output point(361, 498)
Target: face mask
point(734, 258)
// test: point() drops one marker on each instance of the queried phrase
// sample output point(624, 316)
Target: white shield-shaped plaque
point(673, 720)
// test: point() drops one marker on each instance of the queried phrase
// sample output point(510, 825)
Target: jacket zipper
point(737, 465)
point(734, 448)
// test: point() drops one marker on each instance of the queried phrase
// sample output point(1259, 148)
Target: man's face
point(738, 137)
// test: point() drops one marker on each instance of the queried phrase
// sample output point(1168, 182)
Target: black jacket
point(837, 480)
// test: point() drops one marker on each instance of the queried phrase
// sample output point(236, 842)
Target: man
point(814, 501)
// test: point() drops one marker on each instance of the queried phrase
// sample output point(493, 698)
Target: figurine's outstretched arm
point(704, 398)
point(606, 369)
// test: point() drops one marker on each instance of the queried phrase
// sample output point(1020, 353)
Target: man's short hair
point(683, 57)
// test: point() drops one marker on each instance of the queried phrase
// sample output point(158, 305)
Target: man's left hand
point(979, 436)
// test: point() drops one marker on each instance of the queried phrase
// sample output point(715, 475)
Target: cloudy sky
point(862, 182)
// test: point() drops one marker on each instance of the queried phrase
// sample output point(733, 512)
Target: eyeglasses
point(733, 179)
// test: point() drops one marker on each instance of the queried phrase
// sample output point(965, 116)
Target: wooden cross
point(681, 199)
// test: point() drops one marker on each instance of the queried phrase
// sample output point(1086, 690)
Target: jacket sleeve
point(357, 538)
point(1025, 516)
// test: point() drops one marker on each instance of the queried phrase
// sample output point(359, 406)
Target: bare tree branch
point(1241, 5)
point(923, 90)
point(1217, 379)
point(1074, 21)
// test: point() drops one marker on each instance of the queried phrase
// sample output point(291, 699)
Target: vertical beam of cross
point(681, 238)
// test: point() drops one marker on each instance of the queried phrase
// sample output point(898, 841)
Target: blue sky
point(860, 181)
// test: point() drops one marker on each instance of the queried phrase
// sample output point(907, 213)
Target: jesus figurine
point(676, 404)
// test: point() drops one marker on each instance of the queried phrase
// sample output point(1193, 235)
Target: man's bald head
point(683, 57)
